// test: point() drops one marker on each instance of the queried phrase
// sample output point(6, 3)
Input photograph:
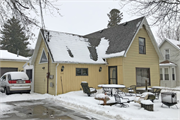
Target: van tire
point(3, 90)
point(6, 90)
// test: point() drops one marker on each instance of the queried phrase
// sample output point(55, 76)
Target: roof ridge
point(64, 33)
point(117, 25)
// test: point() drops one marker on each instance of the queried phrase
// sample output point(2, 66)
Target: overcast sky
point(84, 16)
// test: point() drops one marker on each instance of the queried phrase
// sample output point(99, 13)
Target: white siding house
point(170, 66)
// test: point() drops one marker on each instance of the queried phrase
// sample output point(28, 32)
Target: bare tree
point(162, 11)
point(23, 10)
point(170, 32)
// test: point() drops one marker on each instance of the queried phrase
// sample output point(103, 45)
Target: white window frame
point(174, 74)
point(165, 54)
point(168, 74)
point(41, 57)
point(162, 73)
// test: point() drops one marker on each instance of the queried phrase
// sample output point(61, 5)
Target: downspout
point(48, 75)
point(56, 79)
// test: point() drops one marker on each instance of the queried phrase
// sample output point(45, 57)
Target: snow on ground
point(80, 101)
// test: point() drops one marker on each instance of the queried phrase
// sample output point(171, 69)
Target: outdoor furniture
point(111, 87)
point(147, 105)
point(107, 91)
point(126, 92)
point(102, 97)
point(145, 96)
point(121, 100)
point(86, 89)
point(169, 98)
point(156, 91)
point(141, 90)
point(132, 89)
point(138, 99)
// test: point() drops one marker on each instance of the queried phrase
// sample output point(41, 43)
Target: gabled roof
point(7, 56)
point(68, 48)
point(174, 43)
point(92, 48)
point(121, 36)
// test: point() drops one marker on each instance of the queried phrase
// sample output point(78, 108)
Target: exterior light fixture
point(100, 69)
point(62, 68)
point(43, 68)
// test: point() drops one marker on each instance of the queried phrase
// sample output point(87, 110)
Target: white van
point(15, 82)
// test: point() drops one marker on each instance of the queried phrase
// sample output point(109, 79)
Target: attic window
point(43, 57)
point(142, 45)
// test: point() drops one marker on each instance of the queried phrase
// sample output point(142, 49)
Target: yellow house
point(125, 54)
point(11, 62)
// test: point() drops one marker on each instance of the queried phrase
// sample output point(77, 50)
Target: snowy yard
point(80, 101)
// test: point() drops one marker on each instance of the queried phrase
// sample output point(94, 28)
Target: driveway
point(42, 109)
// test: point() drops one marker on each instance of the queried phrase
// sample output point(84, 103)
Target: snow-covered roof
point(92, 48)
point(70, 48)
point(5, 55)
point(174, 43)
point(167, 63)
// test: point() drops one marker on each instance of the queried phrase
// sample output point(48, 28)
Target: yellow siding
point(71, 82)
point(116, 62)
point(12, 64)
point(40, 80)
point(134, 59)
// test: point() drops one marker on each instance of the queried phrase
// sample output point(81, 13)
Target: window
point(9, 77)
point(142, 46)
point(161, 74)
point(173, 74)
point(81, 71)
point(167, 57)
point(143, 75)
point(43, 58)
point(4, 77)
point(166, 73)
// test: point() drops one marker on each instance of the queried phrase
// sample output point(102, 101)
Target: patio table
point(111, 86)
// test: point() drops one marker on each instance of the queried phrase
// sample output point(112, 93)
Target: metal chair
point(107, 91)
point(126, 91)
point(156, 92)
point(132, 89)
point(122, 101)
point(88, 90)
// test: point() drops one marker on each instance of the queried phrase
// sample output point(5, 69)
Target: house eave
point(72, 62)
point(16, 60)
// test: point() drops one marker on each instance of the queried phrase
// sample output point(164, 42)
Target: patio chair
point(121, 100)
point(126, 91)
point(88, 90)
point(156, 92)
point(132, 89)
point(145, 96)
point(107, 91)
point(140, 98)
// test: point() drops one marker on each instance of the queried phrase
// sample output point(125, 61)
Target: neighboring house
point(11, 62)
point(29, 70)
point(170, 65)
point(125, 54)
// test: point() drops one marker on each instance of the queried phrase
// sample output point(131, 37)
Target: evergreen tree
point(14, 38)
point(115, 17)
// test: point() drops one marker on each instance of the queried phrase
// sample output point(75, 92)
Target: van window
point(4, 77)
point(9, 77)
